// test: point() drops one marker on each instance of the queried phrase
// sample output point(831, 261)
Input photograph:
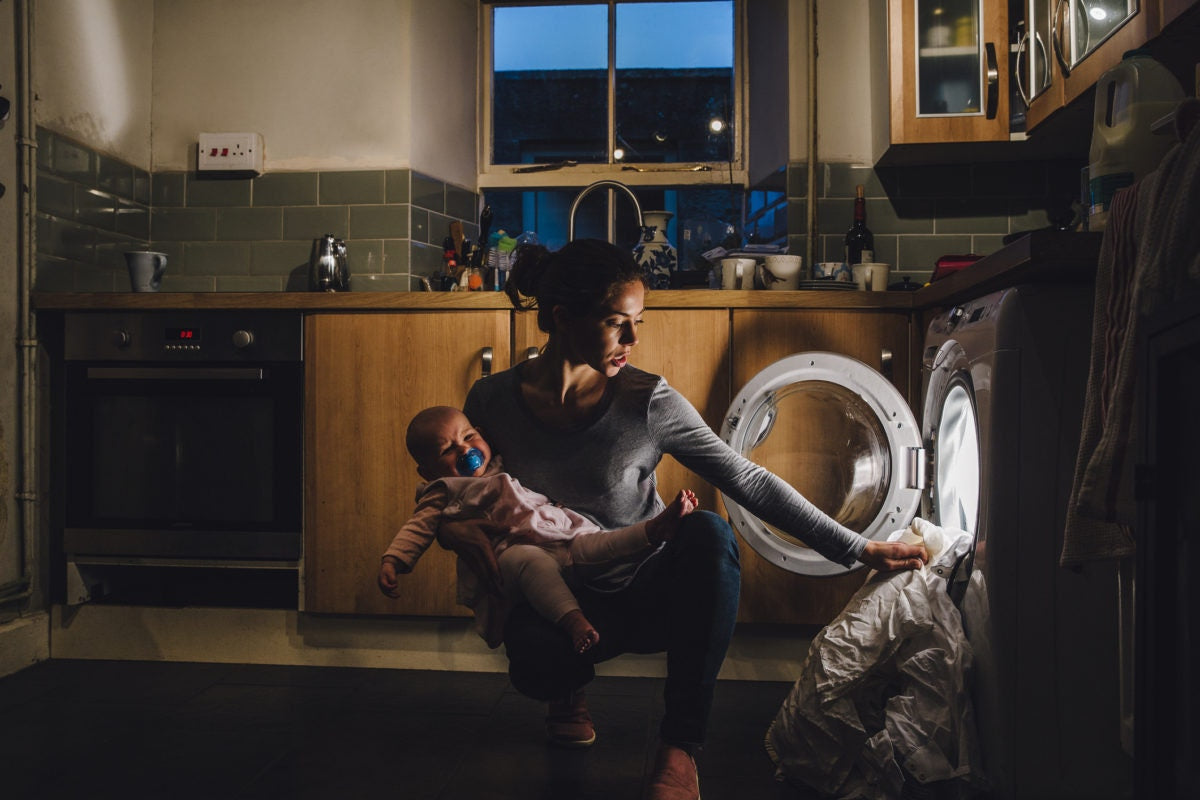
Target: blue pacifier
point(469, 461)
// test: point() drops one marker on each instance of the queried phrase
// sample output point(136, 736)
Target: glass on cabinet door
point(1090, 22)
point(1034, 66)
point(1086, 37)
point(949, 52)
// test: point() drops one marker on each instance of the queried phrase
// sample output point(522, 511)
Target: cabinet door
point(879, 339)
point(365, 376)
point(948, 62)
point(1086, 38)
point(690, 348)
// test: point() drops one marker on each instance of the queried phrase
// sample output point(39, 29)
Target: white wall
point(92, 61)
point(852, 81)
point(330, 84)
point(351, 84)
point(324, 82)
point(443, 89)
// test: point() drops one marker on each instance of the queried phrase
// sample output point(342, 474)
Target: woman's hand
point(893, 556)
point(471, 541)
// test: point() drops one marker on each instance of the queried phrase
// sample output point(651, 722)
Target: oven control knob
point(120, 338)
point(242, 339)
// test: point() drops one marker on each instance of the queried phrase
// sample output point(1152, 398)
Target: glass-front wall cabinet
point(1068, 44)
point(945, 74)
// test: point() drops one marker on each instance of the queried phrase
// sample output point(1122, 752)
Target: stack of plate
point(827, 284)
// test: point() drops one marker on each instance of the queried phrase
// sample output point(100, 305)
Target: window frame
point(634, 174)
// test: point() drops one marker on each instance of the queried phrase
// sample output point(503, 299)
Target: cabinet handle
point(1056, 38)
point(1025, 96)
point(486, 361)
point(1044, 84)
point(993, 81)
point(531, 352)
point(885, 363)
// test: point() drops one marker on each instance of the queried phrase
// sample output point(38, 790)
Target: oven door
point(183, 461)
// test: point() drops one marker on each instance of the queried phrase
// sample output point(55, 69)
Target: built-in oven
point(182, 439)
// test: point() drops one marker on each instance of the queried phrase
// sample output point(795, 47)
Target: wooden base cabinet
point(365, 376)
point(761, 337)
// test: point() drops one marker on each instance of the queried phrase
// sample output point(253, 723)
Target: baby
point(544, 539)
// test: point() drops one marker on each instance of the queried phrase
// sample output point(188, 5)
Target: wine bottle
point(859, 238)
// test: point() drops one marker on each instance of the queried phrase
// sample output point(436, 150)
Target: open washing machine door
point(951, 428)
point(842, 435)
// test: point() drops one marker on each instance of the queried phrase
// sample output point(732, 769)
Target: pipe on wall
point(27, 345)
point(810, 248)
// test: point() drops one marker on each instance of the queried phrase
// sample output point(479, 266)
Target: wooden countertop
point(1042, 256)
point(444, 301)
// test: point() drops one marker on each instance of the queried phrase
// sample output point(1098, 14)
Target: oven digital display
point(183, 334)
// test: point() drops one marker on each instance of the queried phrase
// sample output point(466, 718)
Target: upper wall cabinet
point(1070, 43)
point(948, 63)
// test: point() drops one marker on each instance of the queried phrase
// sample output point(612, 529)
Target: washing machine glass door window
point(956, 455)
point(841, 435)
point(951, 423)
point(825, 442)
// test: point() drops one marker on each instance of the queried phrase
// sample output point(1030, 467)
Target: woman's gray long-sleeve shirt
point(605, 468)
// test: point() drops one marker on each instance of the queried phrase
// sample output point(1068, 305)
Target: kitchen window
point(645, 93)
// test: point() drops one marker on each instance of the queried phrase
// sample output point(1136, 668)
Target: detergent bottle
point(1130, 98)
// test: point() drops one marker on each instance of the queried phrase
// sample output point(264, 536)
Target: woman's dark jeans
point(684, 600)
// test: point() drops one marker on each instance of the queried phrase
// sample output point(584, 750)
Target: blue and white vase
point(655, 253)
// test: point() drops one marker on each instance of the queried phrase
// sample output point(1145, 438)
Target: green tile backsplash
point(255, 234)
point(232, 234)
point(920, 213)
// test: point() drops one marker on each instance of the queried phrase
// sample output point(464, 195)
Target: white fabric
point(884, 687)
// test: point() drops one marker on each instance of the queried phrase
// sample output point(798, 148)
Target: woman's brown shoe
point(568, 723)
point(674, 775)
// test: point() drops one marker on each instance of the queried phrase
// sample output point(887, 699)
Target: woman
point(581, 426)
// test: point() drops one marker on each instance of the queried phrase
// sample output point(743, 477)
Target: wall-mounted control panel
point(230, 152)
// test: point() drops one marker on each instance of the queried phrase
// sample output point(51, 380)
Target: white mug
point(737, 273)
point(145, 269)
point(782, 272)
point(871, 277)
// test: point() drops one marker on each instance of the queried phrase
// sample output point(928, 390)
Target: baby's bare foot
point(664, 526)
point(583, 635)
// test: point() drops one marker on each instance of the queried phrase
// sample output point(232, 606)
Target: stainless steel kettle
point(329, 265)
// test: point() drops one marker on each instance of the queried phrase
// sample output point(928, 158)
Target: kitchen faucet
point(588, 190)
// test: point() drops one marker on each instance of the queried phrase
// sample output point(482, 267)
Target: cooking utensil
point(329, 265)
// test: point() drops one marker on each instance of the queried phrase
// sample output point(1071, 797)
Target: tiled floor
point(106, 729)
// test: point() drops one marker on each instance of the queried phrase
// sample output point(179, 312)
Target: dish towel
point(1150, 253)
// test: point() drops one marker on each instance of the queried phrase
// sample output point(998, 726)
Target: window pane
point(704, 217)
point(549, 84)
point(674, 76)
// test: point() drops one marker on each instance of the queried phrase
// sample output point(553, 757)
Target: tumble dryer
point(1003, 380)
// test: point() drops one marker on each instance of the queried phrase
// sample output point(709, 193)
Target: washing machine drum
point(842, 436)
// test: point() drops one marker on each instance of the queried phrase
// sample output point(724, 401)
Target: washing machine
point(1003, 381)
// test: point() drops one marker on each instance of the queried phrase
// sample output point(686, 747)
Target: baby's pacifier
point(469, 461)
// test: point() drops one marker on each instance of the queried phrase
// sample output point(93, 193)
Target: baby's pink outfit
point(545, 539)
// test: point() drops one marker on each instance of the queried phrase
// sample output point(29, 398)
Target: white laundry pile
point(884, 687)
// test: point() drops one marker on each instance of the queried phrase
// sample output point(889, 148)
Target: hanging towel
point(1149, 255)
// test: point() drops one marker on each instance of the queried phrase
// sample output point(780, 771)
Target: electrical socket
point(230, 152)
